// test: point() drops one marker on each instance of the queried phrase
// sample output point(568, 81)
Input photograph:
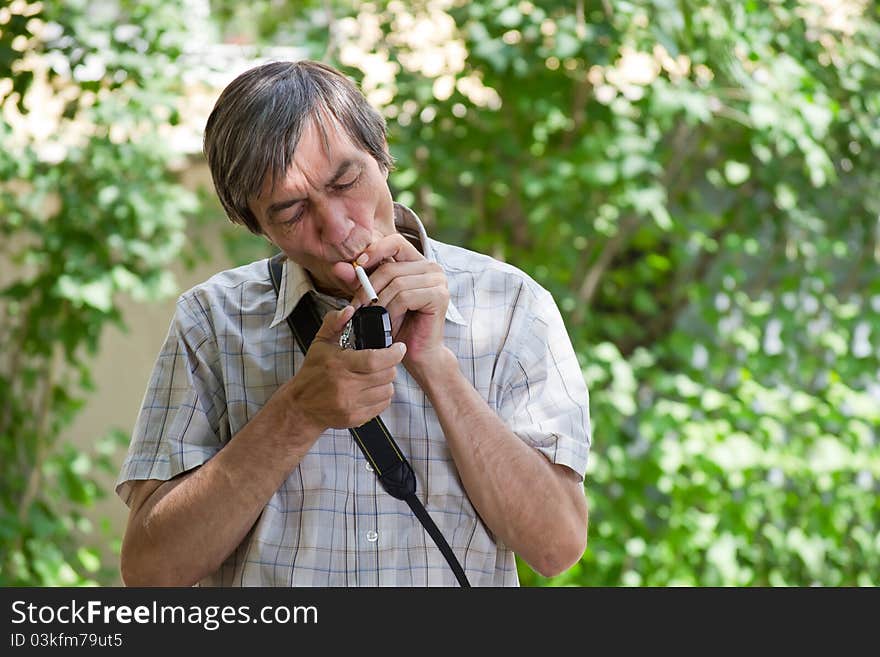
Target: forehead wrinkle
point(319, 126)
point(331, 143)
point(296, 180)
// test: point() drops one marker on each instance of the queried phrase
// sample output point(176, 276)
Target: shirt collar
point(296, 281)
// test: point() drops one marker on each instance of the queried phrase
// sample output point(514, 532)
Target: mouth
point(350, 258)
point(350, 255)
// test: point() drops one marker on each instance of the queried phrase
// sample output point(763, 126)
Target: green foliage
point(697, 183)
point(90, 209)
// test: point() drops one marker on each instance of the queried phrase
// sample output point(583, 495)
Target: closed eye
point(296, 217)
point(341, 187)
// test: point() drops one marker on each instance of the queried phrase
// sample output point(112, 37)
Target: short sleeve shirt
point(331, 524)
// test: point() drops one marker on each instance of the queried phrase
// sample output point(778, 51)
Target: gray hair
point(257, 122)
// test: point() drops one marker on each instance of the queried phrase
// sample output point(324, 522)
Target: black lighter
point(371, 326)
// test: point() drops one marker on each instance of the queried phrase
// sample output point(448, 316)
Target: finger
point(334, 322)
point(402, 284)
point(369, 361)
point(375, 395)
point(394, 246)
point(427, 300)
point(369, 413)
point(357, 383)
point(378, 378)
point(429, 273)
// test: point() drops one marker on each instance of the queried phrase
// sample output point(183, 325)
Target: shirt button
point(368, 467)
point(372, 536)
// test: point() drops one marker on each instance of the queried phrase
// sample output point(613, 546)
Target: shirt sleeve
point(545, 399)
point(181, 423)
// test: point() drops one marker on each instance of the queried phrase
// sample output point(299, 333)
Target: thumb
point(334, 322)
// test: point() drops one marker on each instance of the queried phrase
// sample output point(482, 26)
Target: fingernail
point(363, 259)
point(402, 348)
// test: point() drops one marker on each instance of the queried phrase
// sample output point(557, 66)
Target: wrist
point(433, 369)
point(297, 424)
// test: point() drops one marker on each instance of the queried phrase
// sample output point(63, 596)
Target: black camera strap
point(375, 441)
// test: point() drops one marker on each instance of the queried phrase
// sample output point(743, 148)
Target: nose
point(334, 224)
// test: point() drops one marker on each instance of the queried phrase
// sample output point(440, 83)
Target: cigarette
point(365, 282)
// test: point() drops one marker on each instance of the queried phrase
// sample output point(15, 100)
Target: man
point(241, 470)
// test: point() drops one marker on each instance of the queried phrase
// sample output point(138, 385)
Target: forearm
point(536, 508)
point(184, 529)
point(188, 527)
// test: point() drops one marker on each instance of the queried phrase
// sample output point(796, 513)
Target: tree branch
point(665, 321)
point(579, 99)
point(14, 346)
point(42, 447)
point(581, 26)
point(682, 141)
point(330, 49)
point(594, 275)
point(867, 252)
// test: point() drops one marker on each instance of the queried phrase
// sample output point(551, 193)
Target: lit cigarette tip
point(365, 282)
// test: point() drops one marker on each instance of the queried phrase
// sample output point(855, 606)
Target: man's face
point(333, 202)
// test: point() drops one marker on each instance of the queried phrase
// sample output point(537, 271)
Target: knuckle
point(394, 286)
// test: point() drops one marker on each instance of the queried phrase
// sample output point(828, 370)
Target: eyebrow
point(341, 170)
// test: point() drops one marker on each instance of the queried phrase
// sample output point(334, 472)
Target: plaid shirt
point(331, 524)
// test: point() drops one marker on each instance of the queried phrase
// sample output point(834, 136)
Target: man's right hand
point(338, 387)
point(182, 530)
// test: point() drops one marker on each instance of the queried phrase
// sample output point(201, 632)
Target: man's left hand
point(414, 292)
